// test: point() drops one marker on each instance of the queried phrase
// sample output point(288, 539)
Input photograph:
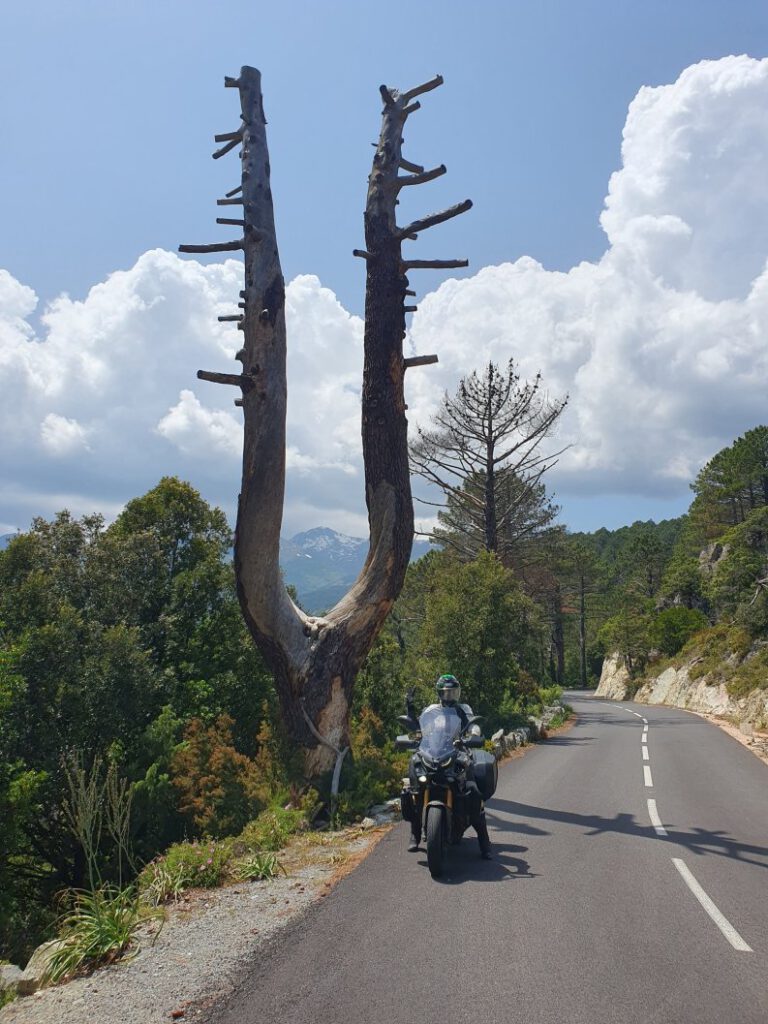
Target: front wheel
point(435, 841)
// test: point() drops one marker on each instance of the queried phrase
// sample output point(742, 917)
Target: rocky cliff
point(675, 686)
point(614, 679)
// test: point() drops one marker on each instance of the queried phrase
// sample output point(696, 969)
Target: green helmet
point(448, 689)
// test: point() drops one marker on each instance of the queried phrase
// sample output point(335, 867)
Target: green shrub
point(751, 674)
point(372, 771)
point(195, 865)
point(713, 647)
point(99, 929)
point(260, 867)
point(671, 628)
point(272, 829)
point(550, 694)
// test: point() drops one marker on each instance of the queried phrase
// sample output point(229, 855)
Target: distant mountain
point(322, 564)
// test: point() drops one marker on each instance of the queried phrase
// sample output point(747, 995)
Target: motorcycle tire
point(435, 841)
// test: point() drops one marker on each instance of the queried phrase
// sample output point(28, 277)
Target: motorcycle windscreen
point(439, 728)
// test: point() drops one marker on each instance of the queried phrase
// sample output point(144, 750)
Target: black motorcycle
point(449, 778)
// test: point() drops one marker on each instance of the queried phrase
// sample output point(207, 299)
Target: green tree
point(479, 626)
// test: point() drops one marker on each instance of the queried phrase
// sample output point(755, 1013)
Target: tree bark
point(315, 659)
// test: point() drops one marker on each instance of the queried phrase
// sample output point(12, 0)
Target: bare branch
point(407, 111)
point(226, 149)
point(433, 264)
point(419, 361)
point(237, 318)
point(408, 166)
point(229, 136)
point(240, 380)
point(422, 178)
point(230, 220)
point(234, 191)
point(410, 309)
point(215, 247)
point(362, 254)
point(419, 90)
point(386, 95)
point(229, 202)
point(435, 218)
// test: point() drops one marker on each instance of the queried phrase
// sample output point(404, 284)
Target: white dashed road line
point(715, 914)
point(653, 814)
point(720, 920)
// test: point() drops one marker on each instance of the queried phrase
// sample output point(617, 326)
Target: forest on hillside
point(127, 673)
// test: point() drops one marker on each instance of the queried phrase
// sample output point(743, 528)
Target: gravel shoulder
point(203, 946)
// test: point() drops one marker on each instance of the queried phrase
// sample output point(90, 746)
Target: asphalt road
point(587, 914)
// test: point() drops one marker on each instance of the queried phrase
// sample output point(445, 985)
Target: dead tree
point(483, 452)
point(315, 659)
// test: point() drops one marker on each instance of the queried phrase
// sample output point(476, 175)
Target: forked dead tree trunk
point(315, 659)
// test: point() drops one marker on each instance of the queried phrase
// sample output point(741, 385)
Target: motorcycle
point(449, 778)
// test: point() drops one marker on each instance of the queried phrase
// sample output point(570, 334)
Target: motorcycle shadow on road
point(464, 864)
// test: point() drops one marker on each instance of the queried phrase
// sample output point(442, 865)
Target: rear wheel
point(435, 841)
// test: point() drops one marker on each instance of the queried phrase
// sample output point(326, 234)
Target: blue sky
point(109, 109)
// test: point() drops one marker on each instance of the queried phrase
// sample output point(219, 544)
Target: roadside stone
point(379, 809)
point(10, 975)
point(33, 976)
point(368, 823)
point(536, 727)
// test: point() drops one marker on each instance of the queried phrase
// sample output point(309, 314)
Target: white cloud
point(661, 343)
point(62, 436)
point(202, 432)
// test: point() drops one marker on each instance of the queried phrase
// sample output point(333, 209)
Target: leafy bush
point(751, 674)
point(671, 628)
point(100, 928)
point(217, 785)
point(272, 829)
point(372, 773)
point(550, 695)
point(713, 648)
point(201, 865)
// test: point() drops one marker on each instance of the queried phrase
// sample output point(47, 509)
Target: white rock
point(10, 975)
point(614, 679)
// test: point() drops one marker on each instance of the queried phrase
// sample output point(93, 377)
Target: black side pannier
point(486, 773)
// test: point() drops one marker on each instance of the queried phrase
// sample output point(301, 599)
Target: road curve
point(600, 907)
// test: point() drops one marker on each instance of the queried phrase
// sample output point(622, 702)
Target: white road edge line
point(653, 814)
point(645, 754)
point(647, 776)
point(720, 920)
point(644, 738)
point(644, 719)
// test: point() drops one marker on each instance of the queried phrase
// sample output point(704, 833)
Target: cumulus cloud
point(660, 343)
point(104, 400)
point(62, 436)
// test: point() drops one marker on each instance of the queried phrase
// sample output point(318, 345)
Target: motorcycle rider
point(448, 696)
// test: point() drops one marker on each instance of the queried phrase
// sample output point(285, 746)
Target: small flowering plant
point(197, 865)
